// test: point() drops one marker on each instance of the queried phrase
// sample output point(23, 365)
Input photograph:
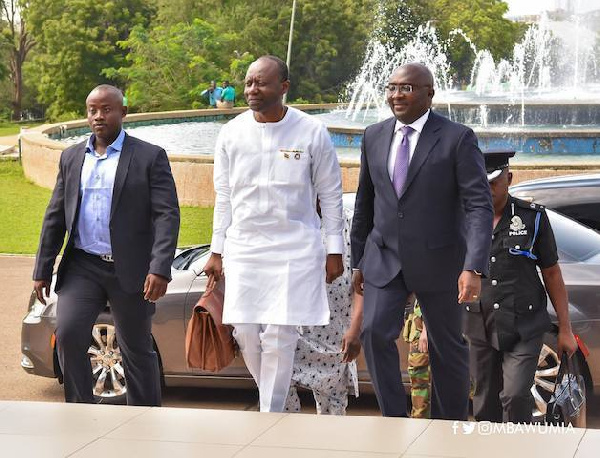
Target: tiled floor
point(38, 429)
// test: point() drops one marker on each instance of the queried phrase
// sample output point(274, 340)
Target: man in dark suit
point(115, 198)
point(422, 224)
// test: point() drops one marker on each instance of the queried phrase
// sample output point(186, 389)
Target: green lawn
point(7, 128)
point(196, 226)
point(22, 206)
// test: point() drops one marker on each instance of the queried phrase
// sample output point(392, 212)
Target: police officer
point(506, 327)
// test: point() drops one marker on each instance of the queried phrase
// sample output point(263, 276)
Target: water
point(195, 138)
point(181, 138)
point(199, 138)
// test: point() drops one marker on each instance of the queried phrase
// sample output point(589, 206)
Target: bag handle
point(210, 284)
point(570, 369)
point(565, 367)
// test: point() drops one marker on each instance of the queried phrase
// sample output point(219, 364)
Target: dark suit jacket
point(442, 222)
point(144, 217)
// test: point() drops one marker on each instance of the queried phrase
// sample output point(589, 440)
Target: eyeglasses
point(404, 88)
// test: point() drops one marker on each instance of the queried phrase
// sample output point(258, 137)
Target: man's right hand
point(42, 288)
point(350, 346)
point(214, 268)
point(358, 281)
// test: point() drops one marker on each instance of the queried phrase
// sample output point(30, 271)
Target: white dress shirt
point(413, 140)
point(267, 177)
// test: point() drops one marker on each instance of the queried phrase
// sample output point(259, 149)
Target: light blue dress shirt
point(96, 187)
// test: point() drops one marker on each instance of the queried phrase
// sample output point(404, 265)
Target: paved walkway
point(30, 429)
point(8, 144)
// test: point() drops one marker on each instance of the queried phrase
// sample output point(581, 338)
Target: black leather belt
point(103, 257)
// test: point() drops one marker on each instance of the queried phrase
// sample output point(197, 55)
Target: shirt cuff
point(335, 244)
point(217, 243)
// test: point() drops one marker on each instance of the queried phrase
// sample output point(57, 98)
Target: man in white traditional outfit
point(270, 164)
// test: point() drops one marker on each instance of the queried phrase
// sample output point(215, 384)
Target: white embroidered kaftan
point(267, 177)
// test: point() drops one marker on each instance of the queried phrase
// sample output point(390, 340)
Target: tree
point(165, 52)
point(18, 42)
point(167, 68)
point(482, 21)
point(77, 40)
point(328, 43)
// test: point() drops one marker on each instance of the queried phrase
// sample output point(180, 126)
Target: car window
point(575, 242)
point(184, 259)
point(199, 261)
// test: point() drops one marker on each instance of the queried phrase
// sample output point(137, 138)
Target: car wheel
point(107, 365)
point(545, 379)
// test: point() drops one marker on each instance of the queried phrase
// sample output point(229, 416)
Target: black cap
point(496, 161)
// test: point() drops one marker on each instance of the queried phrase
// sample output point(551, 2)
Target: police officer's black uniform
point(505, 328)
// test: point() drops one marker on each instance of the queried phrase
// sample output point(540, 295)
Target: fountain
point(543, 101)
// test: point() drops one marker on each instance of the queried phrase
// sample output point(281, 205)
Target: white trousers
point(268, 351)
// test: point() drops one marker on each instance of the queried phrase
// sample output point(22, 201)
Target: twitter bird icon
point(468, 427)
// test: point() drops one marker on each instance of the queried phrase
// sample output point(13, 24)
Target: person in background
point(506, 326)
point(227, 96)
point(213, 93)
point(324, 361)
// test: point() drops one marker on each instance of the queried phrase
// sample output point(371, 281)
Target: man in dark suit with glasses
point(422, 224)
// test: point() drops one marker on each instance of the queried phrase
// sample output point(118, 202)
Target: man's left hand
point(469, 287)
point(566, 342)
point(155, 287)
point(334, 267)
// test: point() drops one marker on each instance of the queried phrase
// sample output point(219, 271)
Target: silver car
point(579, 251)
point(577, 196)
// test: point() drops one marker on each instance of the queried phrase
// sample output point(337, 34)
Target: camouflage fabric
point(418, 365)
point(413, 325)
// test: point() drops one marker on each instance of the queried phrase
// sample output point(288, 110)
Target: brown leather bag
point(209, 344)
